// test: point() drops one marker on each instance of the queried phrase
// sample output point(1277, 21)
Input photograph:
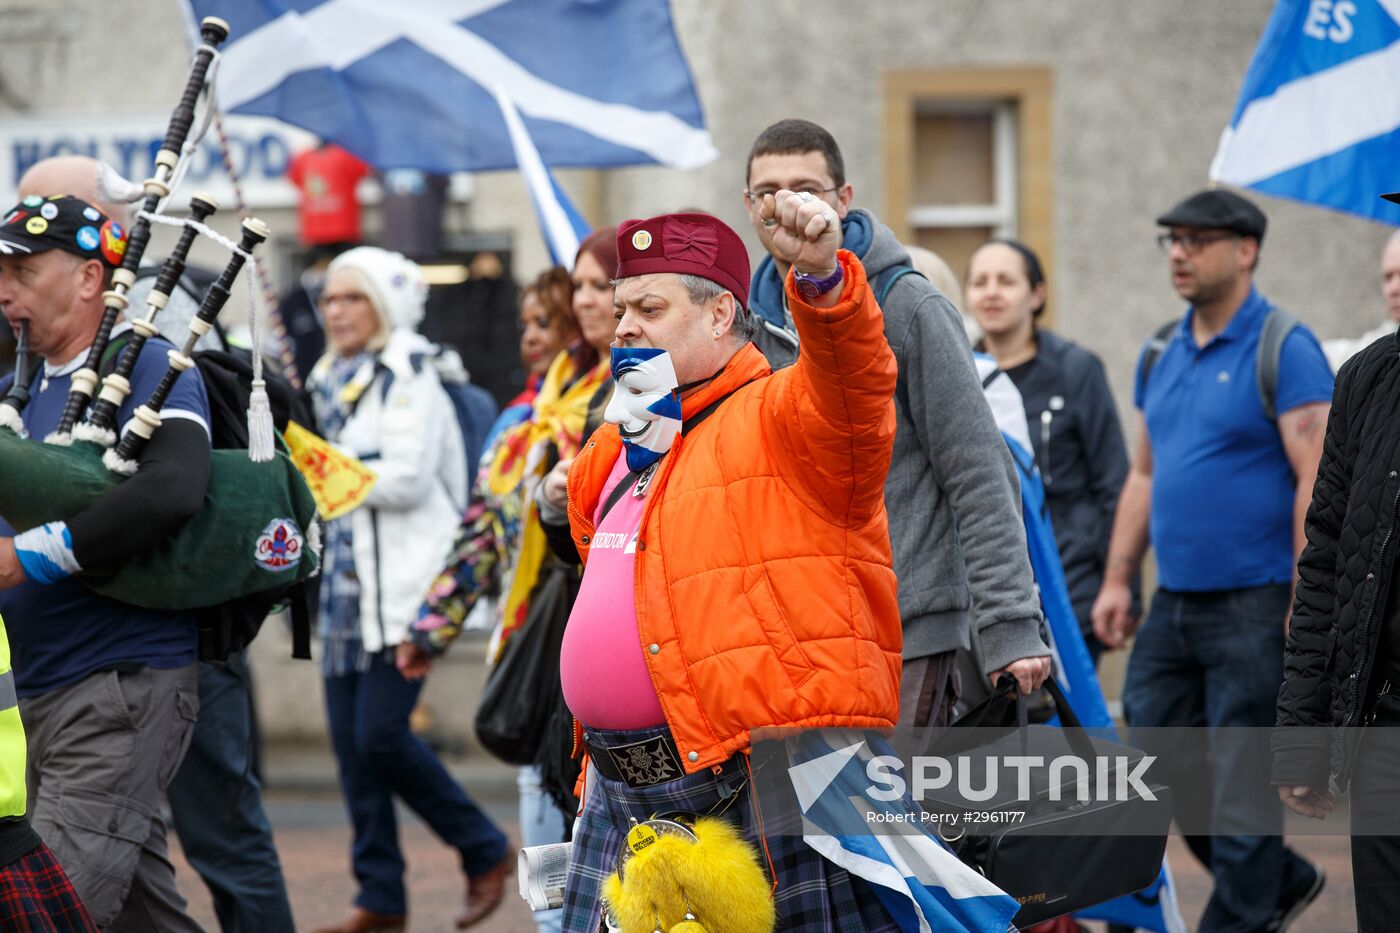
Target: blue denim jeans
point(1216, 659)
point(216, 805)
point(541, 824)
point(380, 758)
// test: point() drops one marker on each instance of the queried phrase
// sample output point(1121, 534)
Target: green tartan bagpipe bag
point(256, 531)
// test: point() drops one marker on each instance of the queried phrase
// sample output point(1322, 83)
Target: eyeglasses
point(1192, 243)
point(756, 197)
point(349, 298)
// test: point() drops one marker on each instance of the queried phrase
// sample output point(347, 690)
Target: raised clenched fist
point(807, 230)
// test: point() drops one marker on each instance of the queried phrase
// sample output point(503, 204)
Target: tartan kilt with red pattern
point(37, 897)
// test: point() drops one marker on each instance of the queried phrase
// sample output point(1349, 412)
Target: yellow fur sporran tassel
point(711, 885)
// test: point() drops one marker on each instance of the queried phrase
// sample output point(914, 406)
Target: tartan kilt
point(813, 895)
point(37, 897)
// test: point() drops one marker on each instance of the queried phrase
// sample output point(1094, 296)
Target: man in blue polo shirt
point(107, 691)
point(1223, 487)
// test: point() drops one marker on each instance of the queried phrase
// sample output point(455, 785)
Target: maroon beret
point(694, 244)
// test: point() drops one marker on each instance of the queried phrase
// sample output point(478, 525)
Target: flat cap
point(1218, 209)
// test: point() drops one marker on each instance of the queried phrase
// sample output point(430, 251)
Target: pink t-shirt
point(601, 666)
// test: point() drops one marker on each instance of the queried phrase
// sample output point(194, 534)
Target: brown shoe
point(364, 921)
point(484, 891)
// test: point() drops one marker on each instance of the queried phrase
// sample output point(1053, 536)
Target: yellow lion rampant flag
point(338, 481)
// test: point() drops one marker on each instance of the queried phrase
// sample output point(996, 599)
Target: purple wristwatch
point(809, 286)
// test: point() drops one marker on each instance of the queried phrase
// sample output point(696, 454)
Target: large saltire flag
point(413, 83)
point(1318, 116)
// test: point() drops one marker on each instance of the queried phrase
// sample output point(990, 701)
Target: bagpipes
point(257, 528)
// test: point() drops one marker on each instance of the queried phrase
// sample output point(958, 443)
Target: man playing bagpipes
point(107, 690)
point(231, 847)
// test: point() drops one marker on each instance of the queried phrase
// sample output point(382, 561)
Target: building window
point(968, 158)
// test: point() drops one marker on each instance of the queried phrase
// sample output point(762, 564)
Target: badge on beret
point(36, 226)
point(32, 201)
point(91, 214)
point(87, 238)
point(49, 211)
point(113, 243)
point(641, 240)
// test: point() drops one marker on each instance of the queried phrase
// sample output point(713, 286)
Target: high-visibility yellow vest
point(12, 747)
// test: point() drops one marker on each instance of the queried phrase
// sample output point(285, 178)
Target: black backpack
point(228, 382)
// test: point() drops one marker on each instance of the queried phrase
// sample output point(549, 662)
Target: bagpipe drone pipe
point(256, 530)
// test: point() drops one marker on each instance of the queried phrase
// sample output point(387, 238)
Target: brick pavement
point(313, 840)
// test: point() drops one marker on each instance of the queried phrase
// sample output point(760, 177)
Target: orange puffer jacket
point(764, 589)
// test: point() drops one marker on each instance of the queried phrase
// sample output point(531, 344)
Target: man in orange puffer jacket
point(732, 520)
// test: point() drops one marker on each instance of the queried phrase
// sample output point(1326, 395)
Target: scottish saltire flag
point(561, 225)
point(918, 880)
point(1318, 117)
point(411, 83)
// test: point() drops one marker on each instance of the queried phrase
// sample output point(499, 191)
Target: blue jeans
point(541, 824)
point(380, 758)
point(216, 803)
point(1216, 659)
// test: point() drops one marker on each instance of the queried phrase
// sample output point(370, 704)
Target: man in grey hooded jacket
point(951, 493)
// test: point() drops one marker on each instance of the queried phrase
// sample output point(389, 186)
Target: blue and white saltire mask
point(645, 404)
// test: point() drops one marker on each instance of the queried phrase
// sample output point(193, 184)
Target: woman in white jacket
point(379, 398)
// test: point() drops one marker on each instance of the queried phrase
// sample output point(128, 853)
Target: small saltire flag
point(338, 482)
point(561, 225)
point(922, 884)
point(412, 83)
point(1318, 116)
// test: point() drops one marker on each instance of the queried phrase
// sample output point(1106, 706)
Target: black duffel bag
point(1053, 853)
point(522, 690)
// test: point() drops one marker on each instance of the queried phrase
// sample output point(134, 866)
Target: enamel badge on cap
point(641, 240)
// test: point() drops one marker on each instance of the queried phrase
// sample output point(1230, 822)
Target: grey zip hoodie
point(951, 493)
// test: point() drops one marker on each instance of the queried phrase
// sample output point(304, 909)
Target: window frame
point(1020, 98)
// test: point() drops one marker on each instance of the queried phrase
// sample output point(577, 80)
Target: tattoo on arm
point(1310, 423)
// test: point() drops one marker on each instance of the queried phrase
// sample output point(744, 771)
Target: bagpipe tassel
point(261, 446)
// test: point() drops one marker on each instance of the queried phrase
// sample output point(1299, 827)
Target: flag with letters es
point(1318, 116)
point(415, 83)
